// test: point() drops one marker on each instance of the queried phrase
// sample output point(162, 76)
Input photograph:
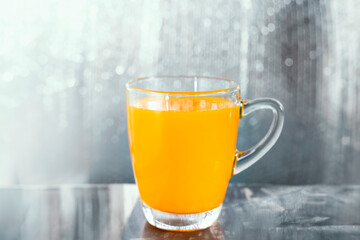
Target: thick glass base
point(181, 222)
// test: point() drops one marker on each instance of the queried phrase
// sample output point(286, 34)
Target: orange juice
point(182, 150)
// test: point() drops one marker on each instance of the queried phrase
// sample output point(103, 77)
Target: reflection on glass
point(212, 233)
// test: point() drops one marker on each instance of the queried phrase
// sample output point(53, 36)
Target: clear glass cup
point(182, 135)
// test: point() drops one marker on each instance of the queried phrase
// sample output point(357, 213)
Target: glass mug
point(182, 134)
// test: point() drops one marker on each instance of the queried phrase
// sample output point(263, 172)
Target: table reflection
point(114, 212)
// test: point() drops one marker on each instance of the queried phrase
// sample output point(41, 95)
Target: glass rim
point(224, 90)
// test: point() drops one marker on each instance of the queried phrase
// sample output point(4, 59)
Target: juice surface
point(182, 150)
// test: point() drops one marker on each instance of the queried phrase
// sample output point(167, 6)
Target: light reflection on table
point(114, 212)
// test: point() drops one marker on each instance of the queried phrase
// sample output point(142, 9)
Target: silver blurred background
point(64, 64)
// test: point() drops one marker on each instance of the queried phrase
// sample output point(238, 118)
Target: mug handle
point(245, 159)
